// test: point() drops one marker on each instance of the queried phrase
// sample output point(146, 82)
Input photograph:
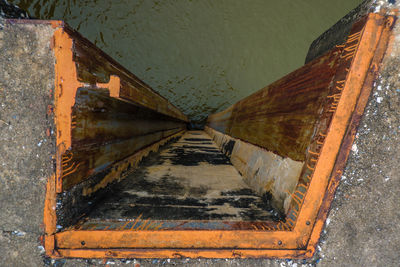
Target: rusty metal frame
point(297, 240)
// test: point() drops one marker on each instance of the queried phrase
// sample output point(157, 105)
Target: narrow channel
point(190, 179)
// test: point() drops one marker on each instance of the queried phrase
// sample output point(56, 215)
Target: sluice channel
point(190, 179)
point(129, 176)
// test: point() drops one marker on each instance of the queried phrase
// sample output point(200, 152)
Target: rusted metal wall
point(356, 63)
point(281, 117)
point(106, 118)
point(270, 130)
point(106, 114)
point(106, 130)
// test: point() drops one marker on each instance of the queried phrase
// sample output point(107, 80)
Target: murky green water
point(202, 55)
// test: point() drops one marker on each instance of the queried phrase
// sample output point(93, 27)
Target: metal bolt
point(279, 242)
point(308, 222)
point(83, 243)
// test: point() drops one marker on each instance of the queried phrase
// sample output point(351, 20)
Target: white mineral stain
point(354, 148)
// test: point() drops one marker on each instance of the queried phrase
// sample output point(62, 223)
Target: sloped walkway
point(187, 180)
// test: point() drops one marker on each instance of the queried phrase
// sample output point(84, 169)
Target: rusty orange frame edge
point(300, 242)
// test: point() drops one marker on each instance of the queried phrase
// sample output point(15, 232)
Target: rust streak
point(73, 170)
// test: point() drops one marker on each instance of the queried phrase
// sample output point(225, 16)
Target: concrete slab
point(26, 146)
point(190, 179)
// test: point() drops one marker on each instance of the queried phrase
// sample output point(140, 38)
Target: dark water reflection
point(202, 55)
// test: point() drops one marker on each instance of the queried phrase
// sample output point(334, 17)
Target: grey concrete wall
point(26, 150)
point(264, 171)
point(362, 229)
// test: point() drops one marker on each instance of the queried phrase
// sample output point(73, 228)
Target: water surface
point(202, 55)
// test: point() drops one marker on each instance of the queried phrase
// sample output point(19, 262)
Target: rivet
point(308, 222)
point(83, 243)
point(279, 242)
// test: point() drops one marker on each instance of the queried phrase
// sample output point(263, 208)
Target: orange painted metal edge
point(49, 216)
point(180, 253)
point(279, 246)
point(49, 212)
point(353, 83)
point(351, 131)
point(66, 85)
point(201, 239)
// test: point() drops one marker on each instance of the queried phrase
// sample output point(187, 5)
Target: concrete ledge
point(265, 172)
point(27, 144)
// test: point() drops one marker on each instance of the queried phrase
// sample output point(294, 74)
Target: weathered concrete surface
point(26, 82)
point(187, 180)
point(264, 171)
point(363, 225)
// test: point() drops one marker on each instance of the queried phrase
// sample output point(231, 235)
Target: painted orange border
point(300, 242)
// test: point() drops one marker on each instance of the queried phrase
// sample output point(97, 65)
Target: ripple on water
point(201, 55)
